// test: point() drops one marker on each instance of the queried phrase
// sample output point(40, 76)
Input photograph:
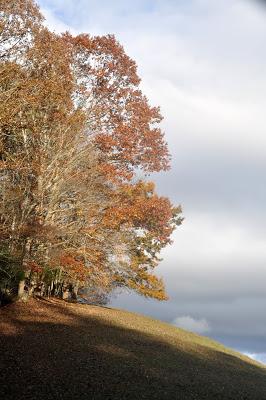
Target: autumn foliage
point(75, 134)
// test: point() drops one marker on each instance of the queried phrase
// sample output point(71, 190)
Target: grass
point(58, 350)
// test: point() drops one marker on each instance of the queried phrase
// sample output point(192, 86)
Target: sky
point(203, 62)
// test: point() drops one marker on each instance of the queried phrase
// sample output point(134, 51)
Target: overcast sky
point(204, 63)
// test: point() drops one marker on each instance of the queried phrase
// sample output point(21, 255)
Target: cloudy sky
point(204, 63)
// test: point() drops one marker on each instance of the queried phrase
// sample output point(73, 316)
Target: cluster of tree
point(75, 132)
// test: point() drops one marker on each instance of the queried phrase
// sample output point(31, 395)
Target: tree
point(74, 131)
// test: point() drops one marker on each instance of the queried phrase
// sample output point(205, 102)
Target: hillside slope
point(57, 350)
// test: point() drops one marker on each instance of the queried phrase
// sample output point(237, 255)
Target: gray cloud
point(204, 63)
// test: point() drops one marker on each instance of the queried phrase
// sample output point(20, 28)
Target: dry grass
point(58, 350)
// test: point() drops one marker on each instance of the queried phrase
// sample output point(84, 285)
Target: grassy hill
point(58, 350)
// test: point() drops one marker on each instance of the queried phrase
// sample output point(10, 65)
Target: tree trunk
point(65, 294)
point(25, 256)
point(74, 291)
point(21, 292)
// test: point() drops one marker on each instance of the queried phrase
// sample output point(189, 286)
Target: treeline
point(75, 131)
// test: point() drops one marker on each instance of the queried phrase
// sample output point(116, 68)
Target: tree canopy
point(75, 130)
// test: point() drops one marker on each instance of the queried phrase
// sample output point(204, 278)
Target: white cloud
point(261, 357)
point(54, 24)
point(192, 324)
point(209, 80)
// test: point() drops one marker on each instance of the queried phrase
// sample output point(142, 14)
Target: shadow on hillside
point(91, 359)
